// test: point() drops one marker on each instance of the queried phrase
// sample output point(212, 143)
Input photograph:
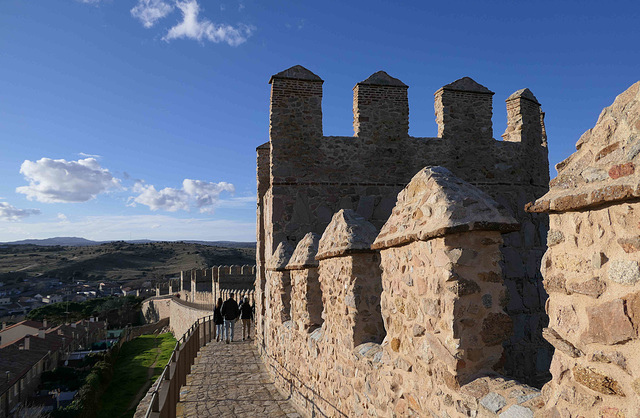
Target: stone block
point(517, 411)
point(493, 402)
point(629, 245)
point(560, 343)
point(597, 381)
point(624, 272)
point(554, 237)
point(593, 287)
point(608, 324)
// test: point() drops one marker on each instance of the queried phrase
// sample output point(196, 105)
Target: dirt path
point(143, 390)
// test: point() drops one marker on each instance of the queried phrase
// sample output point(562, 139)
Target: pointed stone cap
point(436, 203)
point(347, 233)
point(297, 72)
point(606, 166)
point(280, 257)
point(467, 84)
point(525, 94)
point(381, 78)
point(304, 256)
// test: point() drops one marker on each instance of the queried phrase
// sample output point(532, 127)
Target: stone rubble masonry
point(413, 327)
point(306, 295)
point(463, 110)
point(304, 178)
point(602, 170)
point(591, 269)
point(381, 107)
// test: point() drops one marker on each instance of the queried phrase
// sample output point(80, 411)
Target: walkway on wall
point(230, 380)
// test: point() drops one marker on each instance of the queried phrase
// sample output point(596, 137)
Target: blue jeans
point(219, 330)
point(228, 329)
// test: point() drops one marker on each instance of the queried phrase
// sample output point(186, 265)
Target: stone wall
point(205, 286)
point(183, 315)
point(305, 177)
point(591, 269)
point(179, 314)
point(412, 316)
point(460, 296)
point(156, 308)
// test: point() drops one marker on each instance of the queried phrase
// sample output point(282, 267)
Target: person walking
point(218, 320)
point(246, 314)
point(229, 312)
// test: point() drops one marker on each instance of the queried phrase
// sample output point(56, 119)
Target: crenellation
point(308, 178)
point(476, 308)
point(296, 99)
point(464, 110)
point(380, 107)
point(525, 120)
point(306, 295)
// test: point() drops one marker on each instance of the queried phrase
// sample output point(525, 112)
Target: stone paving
point(230, 380)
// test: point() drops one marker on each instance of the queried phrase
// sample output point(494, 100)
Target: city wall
point(178, 314)
point(205, 286)
point(432, 304)
point(304, 178)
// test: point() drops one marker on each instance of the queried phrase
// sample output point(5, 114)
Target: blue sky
point(134, 119)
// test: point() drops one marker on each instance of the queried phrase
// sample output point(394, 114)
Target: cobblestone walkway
point(229, 380)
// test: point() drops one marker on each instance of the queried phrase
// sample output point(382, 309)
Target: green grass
point(131, 371)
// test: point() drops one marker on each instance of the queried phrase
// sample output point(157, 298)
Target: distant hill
point(118, 260)
point(62, 241)
point(82, 242)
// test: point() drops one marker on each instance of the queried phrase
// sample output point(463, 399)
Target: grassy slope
point(118, 261)
point(131, 371)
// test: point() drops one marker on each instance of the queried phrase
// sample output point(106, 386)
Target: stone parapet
point(306, 295)
point(603, 169)
point(413, 330)
point(437, 203)
point(304, 178)
point(347, 233)
point(592, 269)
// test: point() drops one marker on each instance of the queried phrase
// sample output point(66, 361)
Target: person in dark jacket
point(218, 320)
point(230, 313)
point(246, 314)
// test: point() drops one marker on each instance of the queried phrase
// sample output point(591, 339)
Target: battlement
point(206, 285)
point(463, 108)
point(304, 178)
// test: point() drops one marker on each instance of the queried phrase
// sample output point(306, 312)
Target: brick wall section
point(311, 177)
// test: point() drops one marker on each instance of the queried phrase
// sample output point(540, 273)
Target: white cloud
point(52, 181)
point(150, 11)
point(82, 154)
point(194, 193)
point(11, 213)
point(89, 1)
point(193, 28)
point(62, 217)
